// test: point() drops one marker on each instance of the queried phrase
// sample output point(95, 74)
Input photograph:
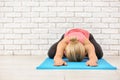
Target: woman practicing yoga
point(76, 44)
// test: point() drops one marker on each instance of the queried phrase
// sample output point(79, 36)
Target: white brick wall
point(30, 27)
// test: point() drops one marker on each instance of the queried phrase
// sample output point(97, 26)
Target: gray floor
point(23, 68)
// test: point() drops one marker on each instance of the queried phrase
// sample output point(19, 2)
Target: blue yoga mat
point(49, 64)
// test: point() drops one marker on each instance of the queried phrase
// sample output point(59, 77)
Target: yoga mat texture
point(48, 64)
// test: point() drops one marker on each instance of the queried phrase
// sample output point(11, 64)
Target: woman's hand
point(91, 62)
point(59, 62)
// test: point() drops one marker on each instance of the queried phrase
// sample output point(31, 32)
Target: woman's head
point(75, 51)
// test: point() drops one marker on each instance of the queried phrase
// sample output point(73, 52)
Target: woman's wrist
point(94, 58)
point(56, 58)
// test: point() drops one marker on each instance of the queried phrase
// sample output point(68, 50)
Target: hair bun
point(73, 39)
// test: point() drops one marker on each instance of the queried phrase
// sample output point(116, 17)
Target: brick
point(1, 47)
point(109, 9)
point(65, 14)
point(47, 25)
point(39, 20)
point(8, 4)
point(5, 20)
point(95, 30)
point(21, 41)
point(109, 20)
point(6, 31)
point(55, 31)
point(1, 25)
point(74, 20)
point(4, 42)
point(39, 9)
point(115, 25)
point(100, 25)
point(105, 47)
point(33, 4)
point(92, 9)
point(64, 25)
point(52, 41)
point(12, 25)
point(1, 3)
point(96, 4)
point(21, 20)
point(82, 25)
point(57, 9)
point(30, 36)
point(21, 31)
point(83, 14)
point(115, 47)
point(110, 31)
point(30, 14)
point(44, 47)
point(1, 36)
point(83, 3)
point(115, 15)
point(47, 14)
point(65, 4)
point(46, 4)
point(30, 47)
point(74, 9)
point(109, 41)
point(48, 36)
point(22, 9)
point(115, 36)
point(56, 19)
point(101, 14)
point(13, 36)
point(39, 42)
point(29, 25)
point(92, 20)
point(13, 14)
point(39, 31)
point(102, 36)
point(1, 15)
point(111, 53)
point(115, 4)
point(12, 47)
point(6, 9)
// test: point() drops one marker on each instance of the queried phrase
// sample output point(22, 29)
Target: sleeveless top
point(80, 34)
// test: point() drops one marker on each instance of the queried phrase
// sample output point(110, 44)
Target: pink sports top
point(80, 34)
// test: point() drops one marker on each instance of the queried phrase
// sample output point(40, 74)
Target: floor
point(23, 68)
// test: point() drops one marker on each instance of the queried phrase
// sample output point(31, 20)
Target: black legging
point(98, 49)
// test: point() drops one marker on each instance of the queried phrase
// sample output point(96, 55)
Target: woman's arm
point(91, 53)
point(59, 53)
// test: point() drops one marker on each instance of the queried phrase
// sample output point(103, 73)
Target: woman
point(76, 44)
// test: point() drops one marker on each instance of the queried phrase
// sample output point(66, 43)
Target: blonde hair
point(75, 51)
